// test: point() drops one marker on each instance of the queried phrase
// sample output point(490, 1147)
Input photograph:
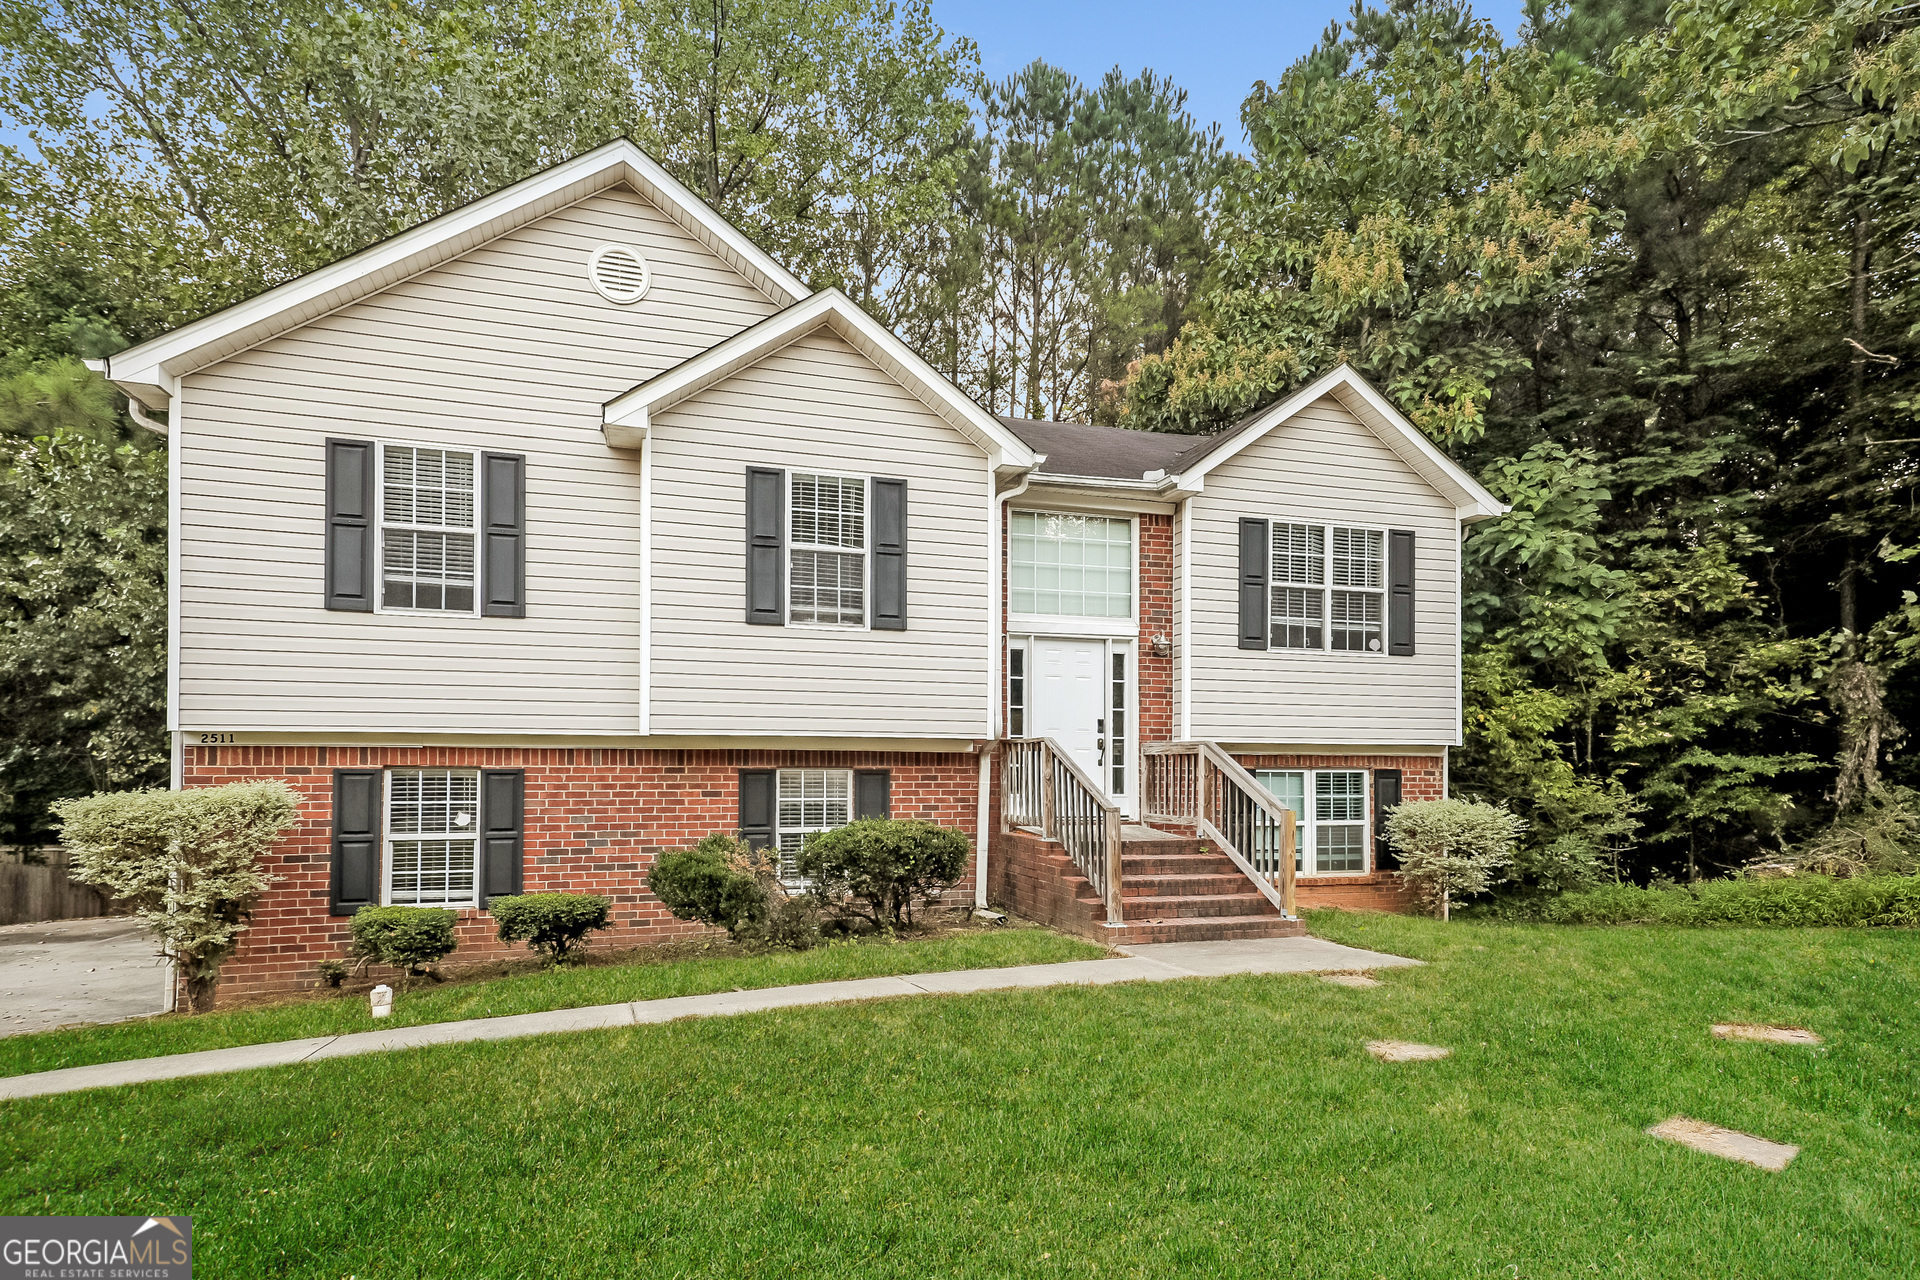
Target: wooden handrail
point(1218, 781)
point(1044, 789)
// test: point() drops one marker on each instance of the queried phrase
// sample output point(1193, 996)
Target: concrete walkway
point(62, 972)
point(1161, 962)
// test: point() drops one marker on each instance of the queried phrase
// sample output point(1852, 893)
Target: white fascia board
point(1470, 499)
point(151, 371)
point(830, 309)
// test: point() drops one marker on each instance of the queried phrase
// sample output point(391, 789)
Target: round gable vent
point(619, 273)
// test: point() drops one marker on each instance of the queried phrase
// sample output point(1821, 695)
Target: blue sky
point(1214, 49)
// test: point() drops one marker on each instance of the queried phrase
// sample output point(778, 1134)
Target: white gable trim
point(627, 418)
point(150, 373)
point(1470, 499)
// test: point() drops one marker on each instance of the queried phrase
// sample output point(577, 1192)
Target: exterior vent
point(619, 273)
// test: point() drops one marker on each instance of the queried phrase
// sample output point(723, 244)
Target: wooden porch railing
point(1199, 785)
point(1043, 790)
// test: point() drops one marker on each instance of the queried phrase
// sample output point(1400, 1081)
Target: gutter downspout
point(996, 558)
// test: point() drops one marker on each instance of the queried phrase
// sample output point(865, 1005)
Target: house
point(568, 527)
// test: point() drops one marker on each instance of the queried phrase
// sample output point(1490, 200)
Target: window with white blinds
point(827, 559)
point(1330, 811)
point(1327, 588)
point(809, 800)
point(433, 837)
point(427, 529)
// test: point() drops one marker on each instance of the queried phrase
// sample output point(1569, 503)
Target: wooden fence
point(30, 894)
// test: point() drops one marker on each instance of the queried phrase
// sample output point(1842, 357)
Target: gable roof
point(1081, 450)
point(1471, 501)
point(150, 373)
point(628, 416)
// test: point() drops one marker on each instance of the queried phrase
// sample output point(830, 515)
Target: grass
point(1230, 1127)
point(534, 992)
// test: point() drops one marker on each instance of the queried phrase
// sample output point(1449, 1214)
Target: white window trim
point(787, 549)
point(1326, 589)
point(1308, 824)
point(380, 525)
point(387, 840)
point(803, 832)
point(1073, 624)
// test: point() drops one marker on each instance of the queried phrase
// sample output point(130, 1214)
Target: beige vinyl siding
point(1323, 467)
point(506, 348)
point(816, 405)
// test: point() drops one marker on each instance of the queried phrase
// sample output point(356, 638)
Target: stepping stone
point(1771, 1035)
point(1349, 980)
point(1405, 1051)
point(1728, 1144)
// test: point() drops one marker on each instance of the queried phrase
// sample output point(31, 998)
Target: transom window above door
point(1071, 566)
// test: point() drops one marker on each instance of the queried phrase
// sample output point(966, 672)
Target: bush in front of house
point(710, 883)
point(1450, 849)
point(186, 863)
point(1798, 901)
point(410, 939)
point(887, 864)
point(552, 924)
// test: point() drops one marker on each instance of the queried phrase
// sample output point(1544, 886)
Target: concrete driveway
point(68, 971)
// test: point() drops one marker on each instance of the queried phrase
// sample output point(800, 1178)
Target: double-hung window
point(810, 800)
point(827, 559)
point(433, 837)
point(1328, 588)
point(427, 529)
point(1330, 808)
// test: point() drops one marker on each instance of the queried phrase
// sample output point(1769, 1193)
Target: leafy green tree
point(83, 616)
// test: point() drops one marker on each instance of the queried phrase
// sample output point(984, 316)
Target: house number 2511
point(215, 739)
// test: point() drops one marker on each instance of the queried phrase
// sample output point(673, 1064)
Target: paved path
point(1160, 962)
point(68, 971)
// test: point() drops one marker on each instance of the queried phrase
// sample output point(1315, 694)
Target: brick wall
point(1157, 722)
point(595, 822)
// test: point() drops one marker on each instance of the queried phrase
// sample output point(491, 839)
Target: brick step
point(1176, 864)
point(1203, 929)
point(1182, 885)
point(1164, 848)
point(1188, 906)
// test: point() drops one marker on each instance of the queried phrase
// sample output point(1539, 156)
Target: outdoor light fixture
point(382, 998)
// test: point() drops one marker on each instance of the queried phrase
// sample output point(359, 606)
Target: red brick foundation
point(595, 822)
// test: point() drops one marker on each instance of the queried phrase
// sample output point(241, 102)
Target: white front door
point(1069, 701)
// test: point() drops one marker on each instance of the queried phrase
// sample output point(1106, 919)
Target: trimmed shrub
point(1789, 901)
point(187, 863)
point(708, 883)
point(1452, 848)
point(886, 863)
point(411, 939)
point(553, 924)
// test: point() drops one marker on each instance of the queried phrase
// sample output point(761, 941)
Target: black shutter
point(503, 837)
point(756, 807)
point(889, 522)
point(872, 794)
point(354, 880)
point(350, 528)
point(1400, 592)
point(1386, 794)
point(766, 529)
point(503, 506)
point(1255, 538)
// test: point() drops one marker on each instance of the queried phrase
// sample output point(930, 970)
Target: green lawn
point(533, 992)
point(1229, 1127)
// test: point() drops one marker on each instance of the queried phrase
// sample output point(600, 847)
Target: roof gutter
point(135, 410)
